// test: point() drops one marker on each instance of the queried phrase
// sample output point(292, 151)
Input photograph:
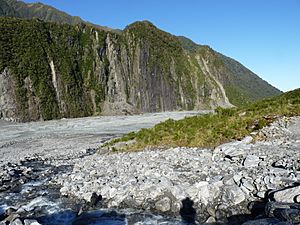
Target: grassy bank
point(214, 129)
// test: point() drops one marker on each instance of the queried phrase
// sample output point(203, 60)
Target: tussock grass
point(214, 129)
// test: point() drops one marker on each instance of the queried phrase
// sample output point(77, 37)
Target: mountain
point(241, 85)
point(19, 9)
point(54, 70)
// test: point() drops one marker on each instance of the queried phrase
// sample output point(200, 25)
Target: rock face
point(7, 97)
point(217, 185)
point(80, 70)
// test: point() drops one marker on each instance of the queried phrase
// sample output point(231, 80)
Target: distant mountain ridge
point(19, 9)
point(71, 68)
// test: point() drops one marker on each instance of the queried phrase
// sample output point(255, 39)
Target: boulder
point(297, 199)
point(251, 161)
point(248, 185)
point(288, 195)
point(234, 195)
point(16, 222)
point(31, 222)
point(163, 205)
point(203, 193)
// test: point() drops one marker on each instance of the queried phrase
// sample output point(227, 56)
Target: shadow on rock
point(187, 212)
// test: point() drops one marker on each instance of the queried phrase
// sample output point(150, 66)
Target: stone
point(261, 194)
point(203, 194)
point(31, 222)
point(297, 199)
point(251, 161)
point(16, 222)
point(280, 164)
point(161, 179)
point(192, 192)
point(234, 195)
point(87, 196)
point(163, 205)
point(248, 185)
point(211, 220)
point(93, 173)
point(237, 179)
point(233, 151)
point(228, 180)
point(64, 191)
point(247, 140)
point(287, 195)
point(10, 211)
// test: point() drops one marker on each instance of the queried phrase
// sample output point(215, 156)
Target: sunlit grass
point(214, 129)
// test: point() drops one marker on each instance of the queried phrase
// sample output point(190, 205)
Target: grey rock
point(64, 191)
point(287, 195)
point(211, 220)
point(8, 107)
point(163, 205)
point(247, 140)
point(161, 179)
point(234, 195)
point(261, 194)
point(237, 179)
point(16, 222)
point(228, 180)
point(251, 161)
point(281, 164)
point(297, 199)
point(248, 185)
point(31, 222)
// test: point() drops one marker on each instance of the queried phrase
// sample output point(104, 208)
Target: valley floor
point(69, 137)
point(212, 185)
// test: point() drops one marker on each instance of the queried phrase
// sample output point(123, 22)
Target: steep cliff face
point(7, 97)
point(60, 71)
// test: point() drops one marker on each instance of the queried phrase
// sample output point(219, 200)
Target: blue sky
point(264, 35)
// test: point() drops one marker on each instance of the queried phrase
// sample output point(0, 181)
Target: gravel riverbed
point(240, 182)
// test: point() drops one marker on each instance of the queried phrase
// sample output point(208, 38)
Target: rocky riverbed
point(239, 182)
point(33, 154)
point(223, 185)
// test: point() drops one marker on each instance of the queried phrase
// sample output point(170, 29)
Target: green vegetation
point(28, 47)
point(165, 70)
point(188, 44)
point(162, 50)
point(243, 86)
point(214, 129)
